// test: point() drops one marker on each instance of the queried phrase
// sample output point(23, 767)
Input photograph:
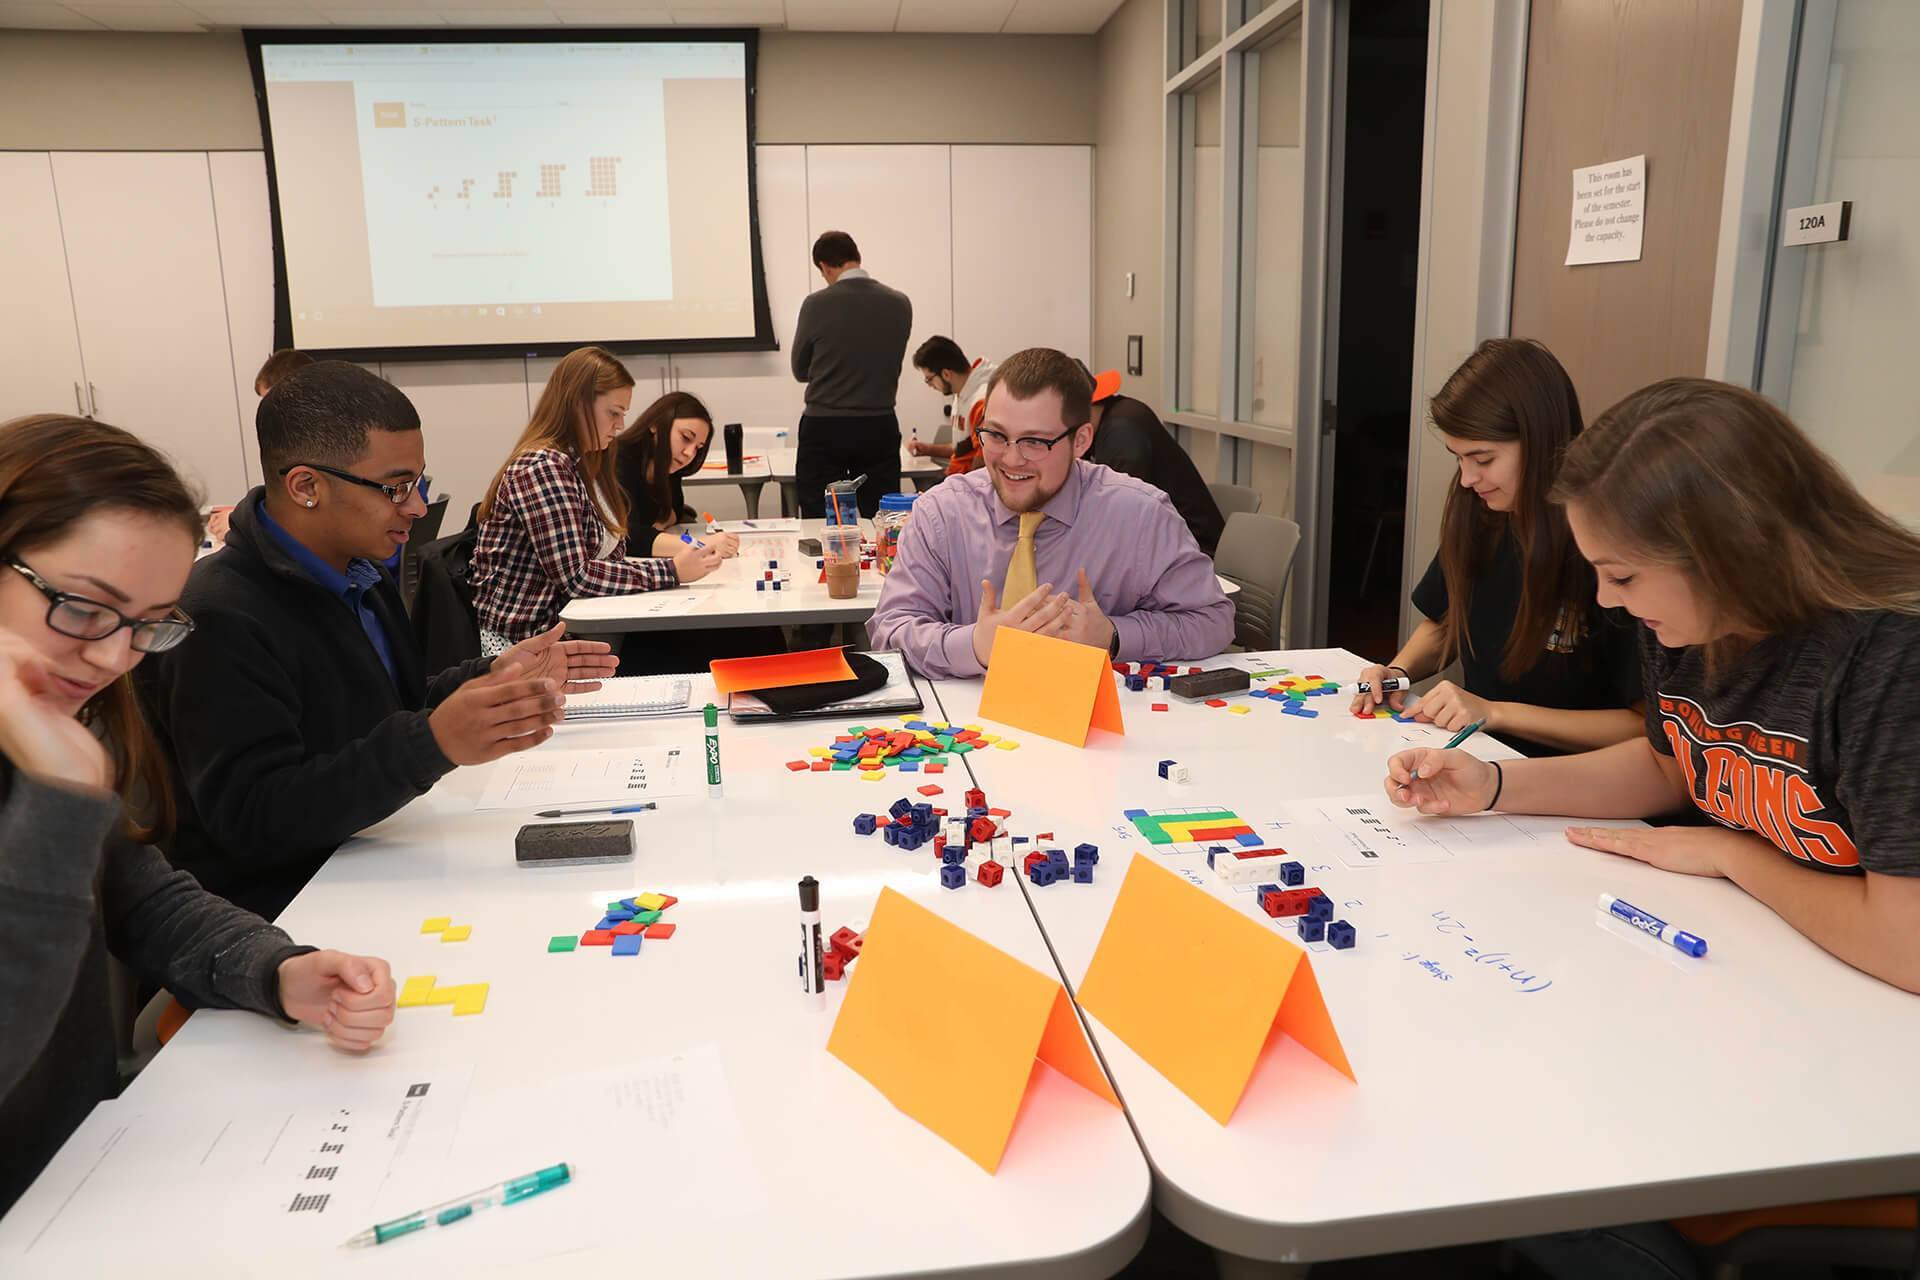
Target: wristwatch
point(1113, 645)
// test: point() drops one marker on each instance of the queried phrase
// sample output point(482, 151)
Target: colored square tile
point(457, 933)
point(627, 928)
point(435, 924)
point(597, 938)
point(469, 999)
point(650, 901)
point(415, 991)
point(627, 945)
point(661, 930)
point(562, 942)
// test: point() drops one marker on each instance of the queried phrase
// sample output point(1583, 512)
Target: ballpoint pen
point(448, 1212)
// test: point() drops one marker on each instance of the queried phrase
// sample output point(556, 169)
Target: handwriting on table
point(1494, 960)
point(1431, 966)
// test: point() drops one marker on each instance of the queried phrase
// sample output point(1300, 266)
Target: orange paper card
point(780, 670)
point(1051, 687)
point(1153, 981)
point(948, 1028)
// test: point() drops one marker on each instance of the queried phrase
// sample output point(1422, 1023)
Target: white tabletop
point(752, 467)
point(782, 463)
point(836, 1181)
point(1640, 1084)
point(727, 597)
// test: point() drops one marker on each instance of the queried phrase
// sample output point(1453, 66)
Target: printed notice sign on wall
point(1609, 211)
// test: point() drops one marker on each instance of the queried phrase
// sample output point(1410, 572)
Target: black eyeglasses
point(1032, 448)
point(396, 493)
point(83, 619)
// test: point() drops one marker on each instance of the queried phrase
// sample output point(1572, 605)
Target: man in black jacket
point(301, 714)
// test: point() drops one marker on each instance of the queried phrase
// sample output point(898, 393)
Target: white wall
point(931, 219)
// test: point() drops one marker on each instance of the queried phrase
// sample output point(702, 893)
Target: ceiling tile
point(233, 15)
point(142, 17)
point(1059, 17)
point(384, 17)
point(500, 17)
point(977, 16)
point(612, 16)
point(842, 15)
point(45, 17)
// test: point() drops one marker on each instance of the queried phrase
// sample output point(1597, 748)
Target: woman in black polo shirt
point(1508, 594)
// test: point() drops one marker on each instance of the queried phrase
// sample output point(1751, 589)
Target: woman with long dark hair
point(1508, 595)
point(97, 533)
point(665, 444)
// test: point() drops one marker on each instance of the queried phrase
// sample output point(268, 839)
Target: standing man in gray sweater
point(848, 348)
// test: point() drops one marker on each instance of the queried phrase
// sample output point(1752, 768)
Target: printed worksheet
point(550, 777)
point(1369, 831)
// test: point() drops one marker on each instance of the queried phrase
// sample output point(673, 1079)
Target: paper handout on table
point(948, 1027)
point(780, 670)
point(552, 775)
point(1055, 688)
point(1156, 982)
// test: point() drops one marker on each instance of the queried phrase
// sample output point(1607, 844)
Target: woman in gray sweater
point(97, 533)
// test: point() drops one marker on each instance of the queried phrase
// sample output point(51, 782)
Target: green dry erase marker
point(711, 715)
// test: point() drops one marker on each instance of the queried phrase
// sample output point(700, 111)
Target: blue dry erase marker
point(1692, 944)
point(691, 541)
point(445, 1214)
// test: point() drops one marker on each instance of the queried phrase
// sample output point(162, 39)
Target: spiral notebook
point(632, 697)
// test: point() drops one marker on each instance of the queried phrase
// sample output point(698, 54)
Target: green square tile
point(841, 765)
point(645, 917)
point(961, 748)
point(562, 942)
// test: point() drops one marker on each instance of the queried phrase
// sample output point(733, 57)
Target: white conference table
point(777, 465)
point(727, 597)
point(832, 1180)
point(1640, 1085)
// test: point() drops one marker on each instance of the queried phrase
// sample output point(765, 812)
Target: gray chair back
point(1234, 497)
point(1256, 554)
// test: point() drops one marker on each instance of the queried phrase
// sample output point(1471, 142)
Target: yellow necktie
point(1021, 574)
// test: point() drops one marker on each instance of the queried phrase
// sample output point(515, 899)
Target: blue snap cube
point(1057, 859)
point(1136, 683)
point(863, 824)
point(1292, 874)
point(1312, 930)
point(900, 808)
point(1090, 853)
point(1042, 874)
point(759, 585)
point(1265, 889)
point(1339, 935)
point(1083, 873)
point(952, 875)
point(951, 854)
point(1164, 766)
point(1320, 907)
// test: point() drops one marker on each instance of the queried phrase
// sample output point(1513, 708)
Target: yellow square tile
point(873, 775)
point(416, 991)
point(1006, 744)
point(436, 924)
point(973, 728)
point(989, 738)
point(443, 995)
point(819, 753)
point(457, 933)
point(649, 901)
point(471, 998)
point(1239, 711)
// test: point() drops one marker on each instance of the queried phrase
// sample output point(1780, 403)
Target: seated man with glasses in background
point(301, 714)
point(1040, 540)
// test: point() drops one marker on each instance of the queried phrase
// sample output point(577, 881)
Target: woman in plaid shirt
point(553, 526)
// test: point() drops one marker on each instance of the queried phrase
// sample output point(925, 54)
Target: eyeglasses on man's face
point(396, 493)
point(1032, 448)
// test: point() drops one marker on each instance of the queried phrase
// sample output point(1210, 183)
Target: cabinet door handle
point(79, 404)
point(93, 401)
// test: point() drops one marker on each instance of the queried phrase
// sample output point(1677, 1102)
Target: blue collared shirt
point(351, 587)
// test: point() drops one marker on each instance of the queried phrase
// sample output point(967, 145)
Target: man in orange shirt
point(945, 367)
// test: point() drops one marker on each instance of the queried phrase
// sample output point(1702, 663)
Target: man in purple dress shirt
point(1137, 585)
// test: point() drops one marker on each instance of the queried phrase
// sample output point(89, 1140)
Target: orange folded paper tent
point(780, 670)
point(948, 1027)
point(1051, 687)
point(1154, 982)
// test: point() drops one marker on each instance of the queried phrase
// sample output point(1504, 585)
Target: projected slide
point(482, 193)
point(477, 194)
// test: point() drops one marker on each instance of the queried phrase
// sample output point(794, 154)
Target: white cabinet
point(1022, 249)
point(246, 276)
point(144, 263)
point(40, 366)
